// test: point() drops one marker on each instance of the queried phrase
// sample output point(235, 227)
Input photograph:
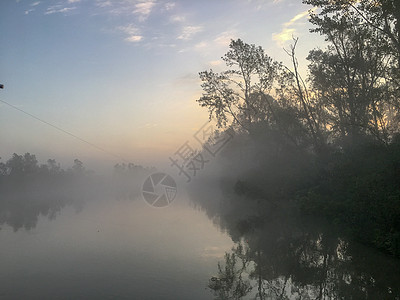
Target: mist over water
point(77, 234)
point(136, 162)
point(102, 248)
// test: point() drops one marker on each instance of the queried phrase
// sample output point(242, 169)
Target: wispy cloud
point(58, 9)
point(143, 9)
point(288, 29)
point(74, 1)
point(103, 3)
point(212, 43)
point(132, 33)
point(177, 19)
point(189, 31)
point(297, 17)
point(170, 5)
point(285, 35)
point(33, 5)
point(201, 45)
point(225, 37)
point(259, 5)
point(134, 38)
point(136, 10)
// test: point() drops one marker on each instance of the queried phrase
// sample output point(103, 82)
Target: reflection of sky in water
point(113, 249)
point(63, 248)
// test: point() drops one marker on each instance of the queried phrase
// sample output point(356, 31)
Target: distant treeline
point(29, 189)
point(19, 166)
point(327, 144)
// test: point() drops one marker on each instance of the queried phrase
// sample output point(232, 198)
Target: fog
point(164, 150)
point(93, 235)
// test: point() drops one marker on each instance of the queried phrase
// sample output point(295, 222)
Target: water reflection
point(279, 254)
point(29, 190)
point(113, 250)
point(22, 204)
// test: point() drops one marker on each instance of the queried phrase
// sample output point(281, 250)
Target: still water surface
point(112, 250)
point(125, 249)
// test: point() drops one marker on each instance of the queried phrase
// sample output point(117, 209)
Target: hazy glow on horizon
point(123, 74)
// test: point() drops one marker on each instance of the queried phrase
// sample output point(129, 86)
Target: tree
point(53, 166)
point(230, 284)
point(258, 95)
point(3, 169)
point(296, 84)
point(240, 94)
point(78, 167)
point(380, 15)
point(30, 163)
point(20, 165)
point(355, 77)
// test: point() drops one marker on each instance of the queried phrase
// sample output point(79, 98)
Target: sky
point(123, 74)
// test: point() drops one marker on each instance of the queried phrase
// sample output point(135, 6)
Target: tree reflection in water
point(280, 254)
point(22, 206)
point(29, 190)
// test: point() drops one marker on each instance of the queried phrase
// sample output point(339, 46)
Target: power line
point(64, 131)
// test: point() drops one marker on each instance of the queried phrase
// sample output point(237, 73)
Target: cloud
point(58, 9)
point(74, 1)
point(134, 38)
point(225, 37)
point(104, 3)
point(28, 11)
point(296, 18)
point(259, 5)
point(170, 5)
point(288, 30)
point(210, 45)
point(177, 19)
point(141, 8)
point(128, 29)
point(144, 9)
point(189, 31)
point(201, 45)
point(285, 35)
point(132, 32)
